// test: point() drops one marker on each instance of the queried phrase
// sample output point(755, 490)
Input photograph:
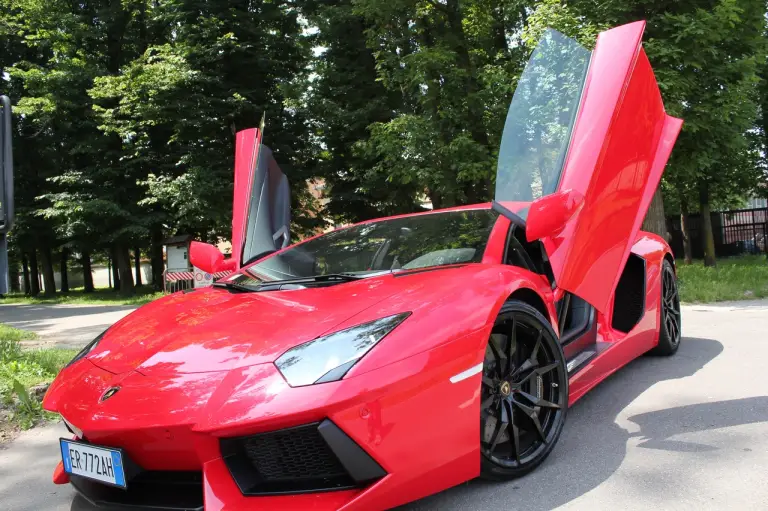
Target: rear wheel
point(524, 395)
point(670, 330)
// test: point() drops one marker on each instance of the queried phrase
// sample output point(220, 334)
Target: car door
point(261, 215)
point(595, 135)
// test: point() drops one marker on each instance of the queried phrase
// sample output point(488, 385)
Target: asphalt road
point(686, 432)
point(69, 326)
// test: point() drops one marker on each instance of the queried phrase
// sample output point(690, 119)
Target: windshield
point(435, 239)
point(540, 119)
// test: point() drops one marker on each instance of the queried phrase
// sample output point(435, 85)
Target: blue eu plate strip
point(65, 456)
point(118, 466)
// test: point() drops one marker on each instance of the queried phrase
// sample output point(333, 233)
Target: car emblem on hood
point(108, 394)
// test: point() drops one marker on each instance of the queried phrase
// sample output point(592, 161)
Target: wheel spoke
point(487, 403)
point(513, 431)
point(540, 371)
point(533, 414)
point(488, 382)
point(531, 362)
point(525, 366)
point(675, 325)
point(502, 423)
point(497, 356)
point(537, 401)
point(535, 353)
point(496, 435)
point(515, 440)
point(512, 344)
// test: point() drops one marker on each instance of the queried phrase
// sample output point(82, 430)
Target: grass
point(734, 278)
point(21, 370)
point(143, 294)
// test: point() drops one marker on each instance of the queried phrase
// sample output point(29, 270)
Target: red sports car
point(382, 362)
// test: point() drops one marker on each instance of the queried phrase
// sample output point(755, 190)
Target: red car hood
point(216, 330)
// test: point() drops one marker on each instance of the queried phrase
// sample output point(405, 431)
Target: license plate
point(98, 463)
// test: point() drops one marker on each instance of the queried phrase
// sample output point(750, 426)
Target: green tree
point(454, 66)
point(344, 98)
point(705, 54)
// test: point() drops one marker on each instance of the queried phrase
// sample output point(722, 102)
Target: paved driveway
point(687, 432)
point(63, 325)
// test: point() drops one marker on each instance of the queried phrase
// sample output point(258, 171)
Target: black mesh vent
point(309, 458)
point(296, 453)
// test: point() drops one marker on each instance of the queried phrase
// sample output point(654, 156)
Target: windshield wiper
point(236, 287)
point(277, 285)
point(330, 277)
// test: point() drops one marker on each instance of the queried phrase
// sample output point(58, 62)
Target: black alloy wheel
point(524, 395)
point(670, 331)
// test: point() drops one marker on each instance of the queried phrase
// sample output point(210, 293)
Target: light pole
point(6, 189)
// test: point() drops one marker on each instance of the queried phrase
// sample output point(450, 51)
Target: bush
point(734, 278)
point(21, 369)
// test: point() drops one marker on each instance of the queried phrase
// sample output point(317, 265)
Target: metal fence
point(736, 232)
point(179, 280)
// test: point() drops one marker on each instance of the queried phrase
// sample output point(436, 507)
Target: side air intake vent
point(310, 458)
point(629, 302)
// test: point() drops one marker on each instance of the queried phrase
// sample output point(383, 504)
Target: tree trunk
point(25, 271)
point(49, 279)
point(655, 221)
point(156, 255)
point(707, 235)
point(115, 273)
point(137, 265)
point(35, 274)
point(85, 261)
point(13, 274)
point(685, 227)
point(64, 275)
point(124, 270)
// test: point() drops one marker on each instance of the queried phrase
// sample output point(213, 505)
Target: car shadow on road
point(593, 446)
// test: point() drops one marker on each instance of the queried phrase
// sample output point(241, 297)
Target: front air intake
point(310, 458)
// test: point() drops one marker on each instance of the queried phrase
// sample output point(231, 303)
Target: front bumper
point(417, 430)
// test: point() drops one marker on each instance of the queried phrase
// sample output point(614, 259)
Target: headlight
point(88, 348)
point(328, 358)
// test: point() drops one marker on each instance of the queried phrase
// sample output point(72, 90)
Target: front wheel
point(524, 397)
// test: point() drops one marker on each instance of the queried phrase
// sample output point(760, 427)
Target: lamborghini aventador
point(385, 361)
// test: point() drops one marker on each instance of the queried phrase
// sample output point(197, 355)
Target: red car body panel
point(247, 147)
point(621, 141)
point(195, 368)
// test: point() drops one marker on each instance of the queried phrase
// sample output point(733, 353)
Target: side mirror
point(208, 258)
point(548, 215)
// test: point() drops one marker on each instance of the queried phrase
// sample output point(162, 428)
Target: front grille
point(156, 490)
point(309, 458)
point(296, 453)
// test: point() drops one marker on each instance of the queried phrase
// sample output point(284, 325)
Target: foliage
point(737, 278)
point(9, 336)
point(98, 297)
point(21, 369)
point(127, 110)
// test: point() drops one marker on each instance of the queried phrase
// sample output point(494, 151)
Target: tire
point(670, 327)
point(525, 380)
